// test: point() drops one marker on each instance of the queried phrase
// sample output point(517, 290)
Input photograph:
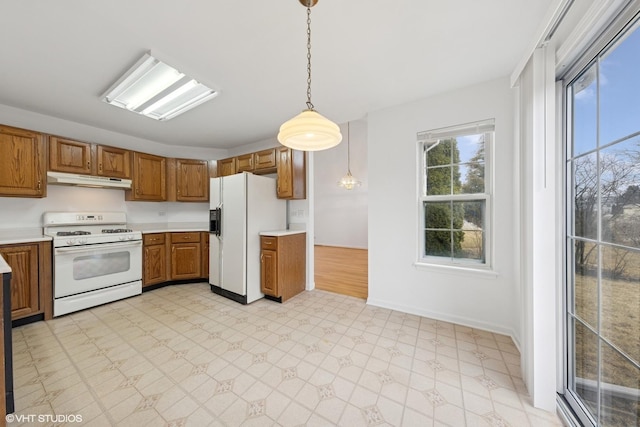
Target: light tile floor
point(183, 356)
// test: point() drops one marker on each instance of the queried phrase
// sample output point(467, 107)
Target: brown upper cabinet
point(188, 180)
point(265, 161)
point(23, 163)
point(292, 172)
point(227, 166)
point(244, 163)
point(290, 166)
point(149, 178)
point(114, 162)
point(67, 155)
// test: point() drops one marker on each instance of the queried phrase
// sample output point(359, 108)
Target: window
point(455, 194)
point(603, 233)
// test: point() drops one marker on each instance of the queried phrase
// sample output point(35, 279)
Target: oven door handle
point(88, 248)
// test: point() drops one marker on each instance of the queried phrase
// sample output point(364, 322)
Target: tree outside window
point(454, 197)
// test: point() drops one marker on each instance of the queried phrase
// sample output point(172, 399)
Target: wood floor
point(342, 270)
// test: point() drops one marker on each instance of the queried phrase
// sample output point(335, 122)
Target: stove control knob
point(121, 238)
point(83, 241)
point(130, 237)
point(69, 241)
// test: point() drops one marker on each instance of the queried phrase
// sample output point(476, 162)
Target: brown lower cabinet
point(185, 256)
point(174, 256)
point(205, 256)
point(31, 291)
point(283, 263)
point(154, 263)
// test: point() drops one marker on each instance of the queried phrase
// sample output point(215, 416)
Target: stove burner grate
point(72, 233)
point(117, 230)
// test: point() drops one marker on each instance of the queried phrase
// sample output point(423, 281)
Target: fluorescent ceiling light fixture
point(157, 90)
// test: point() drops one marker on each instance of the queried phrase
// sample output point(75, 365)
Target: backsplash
point(18, 212)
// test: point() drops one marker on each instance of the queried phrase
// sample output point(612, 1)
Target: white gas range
point(96, 259)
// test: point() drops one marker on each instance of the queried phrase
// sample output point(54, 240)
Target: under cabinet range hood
point(61, 178)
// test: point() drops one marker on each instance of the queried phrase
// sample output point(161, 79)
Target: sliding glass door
point(603, 234)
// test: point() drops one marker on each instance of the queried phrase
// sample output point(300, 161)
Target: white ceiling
point(58, 57)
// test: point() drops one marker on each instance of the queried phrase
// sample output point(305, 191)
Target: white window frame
point(484, 126)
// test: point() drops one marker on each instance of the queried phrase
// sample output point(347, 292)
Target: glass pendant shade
point(309, 131)
point(348, 182)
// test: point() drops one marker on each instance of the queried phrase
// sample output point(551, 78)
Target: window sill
point(457, 269)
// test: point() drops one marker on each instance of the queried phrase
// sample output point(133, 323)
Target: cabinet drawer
point(153, 239)
point(185, 237)
point(268, 242)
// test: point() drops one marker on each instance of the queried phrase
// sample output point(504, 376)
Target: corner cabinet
point(154, 261)
point(185, 256)
point(149, 178)
point(31, 290)
point(292, 174)
point(283, 264)
point(24, 163)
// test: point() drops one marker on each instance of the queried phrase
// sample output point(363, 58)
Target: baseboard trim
point(463, 321)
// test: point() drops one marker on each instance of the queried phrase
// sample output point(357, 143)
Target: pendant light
point(309, 130)
point(349, 182)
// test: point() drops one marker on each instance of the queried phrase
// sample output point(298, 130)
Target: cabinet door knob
point(100, 166)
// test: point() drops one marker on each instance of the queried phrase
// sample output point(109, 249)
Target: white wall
point(19, 212)
point(471, 298)
point(341, 216)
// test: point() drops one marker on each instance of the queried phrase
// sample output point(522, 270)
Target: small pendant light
point(309, 131)
point(349, 182)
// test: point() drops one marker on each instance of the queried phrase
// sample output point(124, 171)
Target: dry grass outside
point(619, 298)
point(472, 245)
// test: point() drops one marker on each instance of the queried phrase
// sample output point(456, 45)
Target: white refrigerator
point(242, 205)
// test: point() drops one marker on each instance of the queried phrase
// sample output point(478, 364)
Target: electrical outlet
point(161, 213)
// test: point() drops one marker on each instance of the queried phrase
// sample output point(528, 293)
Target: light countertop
point(169, 227)
point(4, 267)
point(277, 233)
point(10, 236)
